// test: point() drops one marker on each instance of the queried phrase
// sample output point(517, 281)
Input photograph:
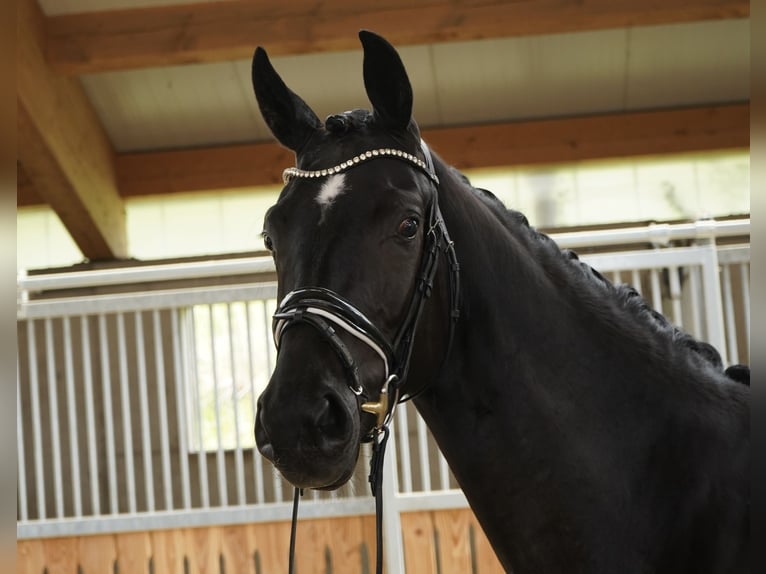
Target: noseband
point(327, 311)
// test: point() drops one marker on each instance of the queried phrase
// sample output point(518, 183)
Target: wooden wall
point(439, 542)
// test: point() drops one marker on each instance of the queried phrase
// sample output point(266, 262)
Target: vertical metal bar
point(257, 462)
point(143, 398)
point(393, 546)
point(728, 305)
point(238, 458)
point(675, 296)
point(162, 407)
point(127, 427)
point(403, 433)
point(110, 441)
point(617, 277)
point(635, 277)
point(713, 306)
point(180, 381)
point(425, 465)
point(20, 461)
point(654, 279)
point(278, 490)
point(37, 431)
point(694, 304)
point(55, 432)
point(74, 447)
point(202, 453)
point(745, 281)
point(90, 417)
point(223, 498)
point(443, 471)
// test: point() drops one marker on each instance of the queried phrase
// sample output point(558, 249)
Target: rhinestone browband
point(292, 172)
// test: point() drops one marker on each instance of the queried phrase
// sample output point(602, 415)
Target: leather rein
point(328, 312)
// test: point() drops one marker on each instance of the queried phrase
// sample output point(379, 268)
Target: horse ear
point(290, 119)
point(386, 81)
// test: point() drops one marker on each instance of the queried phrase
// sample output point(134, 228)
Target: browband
point(424, 166)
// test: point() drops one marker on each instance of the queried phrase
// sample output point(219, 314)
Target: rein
point(326, 311)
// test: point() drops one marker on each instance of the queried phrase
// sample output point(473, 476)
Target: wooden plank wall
point(439, 542)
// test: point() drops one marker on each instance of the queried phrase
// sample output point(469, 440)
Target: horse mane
point(624, 295)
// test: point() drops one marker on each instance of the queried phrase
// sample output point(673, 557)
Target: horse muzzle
point(314, 440)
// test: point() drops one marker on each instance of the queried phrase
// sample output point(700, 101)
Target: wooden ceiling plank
point(215, 31)
point(25, 189)
point(495, 145)
point(63, 149)
point(604, 136)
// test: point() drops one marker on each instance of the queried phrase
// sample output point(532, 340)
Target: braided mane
point(626, 296)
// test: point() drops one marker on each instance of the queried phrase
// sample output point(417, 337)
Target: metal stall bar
point(37, 432)
point(127, 426)
point(20, 461)
point(162, 407)
point(223, 494)
point(728, 315)
point(180, 384)
point(425, 465)
point(403, 434)
point(714, 309)
point(393, 547)
point(654, 281)
point(146, 274)
point(675, 295)
point(694, 291)
point(201, 455)
point(53, 408)
point(635, 279)
point(90, 417)
point(106, 385)
point(745, 281)
point(74, 448)
point(238, 457)
point(143, 399)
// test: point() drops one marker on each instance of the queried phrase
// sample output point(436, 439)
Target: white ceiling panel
point(689, 64)
point(514, 78)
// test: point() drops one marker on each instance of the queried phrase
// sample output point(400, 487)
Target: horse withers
point(587, 435)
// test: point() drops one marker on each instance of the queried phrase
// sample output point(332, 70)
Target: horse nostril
point(332, 420)
point(267, 451)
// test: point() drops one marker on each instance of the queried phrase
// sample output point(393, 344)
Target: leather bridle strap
point(319, 307)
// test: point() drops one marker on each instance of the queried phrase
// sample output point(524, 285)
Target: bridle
point(327, 311)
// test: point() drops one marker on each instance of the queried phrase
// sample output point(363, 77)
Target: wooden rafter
point(62, 148)
point(214, 31)
point(495, 145)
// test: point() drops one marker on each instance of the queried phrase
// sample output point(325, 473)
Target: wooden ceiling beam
point(479, 146)
point(62, 148)
point(524, 143)
point(603, 136)
point(181, 34)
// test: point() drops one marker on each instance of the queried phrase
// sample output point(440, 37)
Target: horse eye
point(267, 242)
point(409, 228)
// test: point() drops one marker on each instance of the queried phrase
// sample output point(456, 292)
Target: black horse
point(587, 435)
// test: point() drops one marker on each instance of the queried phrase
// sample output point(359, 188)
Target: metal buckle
point(381, 408)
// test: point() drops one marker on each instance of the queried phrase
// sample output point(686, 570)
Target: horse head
point(349, 235)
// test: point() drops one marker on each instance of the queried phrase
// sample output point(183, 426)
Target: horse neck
point(516, 409)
